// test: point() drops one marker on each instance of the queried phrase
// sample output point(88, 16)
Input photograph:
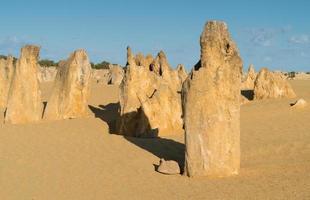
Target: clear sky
point(273, 33)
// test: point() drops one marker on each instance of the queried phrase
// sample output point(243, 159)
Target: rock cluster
point(24, 100)
point(270, 85)
point(150, 98)
point(6, 74)
point(71, 90)
point(211, 104)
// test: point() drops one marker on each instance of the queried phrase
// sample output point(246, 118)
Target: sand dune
point(80, 159)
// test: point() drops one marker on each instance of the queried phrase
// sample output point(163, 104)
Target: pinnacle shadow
point(108, 113)
point(161, 148)
point(158, 146)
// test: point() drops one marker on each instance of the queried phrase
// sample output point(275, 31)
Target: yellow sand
point(79, 159)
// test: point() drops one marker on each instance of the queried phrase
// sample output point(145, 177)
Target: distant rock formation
point(139, 59)
point(248, 82)
point(116, 75)
point(101, 75)
point(6, 74)
point(150, 99)
point(211, 104)
point(71, 90)
point(47, 74)
point(270, 85)
point(24, 100)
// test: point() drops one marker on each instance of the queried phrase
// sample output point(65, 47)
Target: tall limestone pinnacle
point(71, 90)
point(24, 99)
point(6, 74)
point(211, 106)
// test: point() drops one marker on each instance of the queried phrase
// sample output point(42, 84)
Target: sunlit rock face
point(6, 74)
point(211, 104)
point(150, 98)
point(71, 90)
point(270, 85)
point(24, 103)
point(248, 82)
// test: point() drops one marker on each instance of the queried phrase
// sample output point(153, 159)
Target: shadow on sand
point(162, 148)
point(135, 124)
point(108, 113)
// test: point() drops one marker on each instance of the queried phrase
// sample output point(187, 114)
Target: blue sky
point(274, 34)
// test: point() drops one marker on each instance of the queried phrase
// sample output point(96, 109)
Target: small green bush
point(102, 65)
point(48, 63)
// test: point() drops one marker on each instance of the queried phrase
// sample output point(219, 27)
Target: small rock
point(168, 167)
point(300, 103)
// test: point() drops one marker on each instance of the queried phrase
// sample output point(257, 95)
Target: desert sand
point(82, 159)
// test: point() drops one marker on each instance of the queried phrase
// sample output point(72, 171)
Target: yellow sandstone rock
point(211, 104)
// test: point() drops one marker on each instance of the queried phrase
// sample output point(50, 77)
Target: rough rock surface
point(248, 82)
point(101, 75)
point(139, 59)
point(150, 102)
point(24, 100)
point(116, 75)
point(181, 72)
point(271, 85)
point(300, 103)
point(168, 167)
point(71, 89)
point(211, 104)
point(47, 74)
point(6, 74)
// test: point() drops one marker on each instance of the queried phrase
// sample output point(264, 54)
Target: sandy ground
point(80, 159)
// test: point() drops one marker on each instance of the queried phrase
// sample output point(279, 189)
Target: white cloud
point(11, 44)
point(300, 39)
point(262, 36)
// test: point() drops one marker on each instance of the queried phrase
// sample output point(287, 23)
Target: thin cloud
point(300, 39)
point(262, 37)
point(12, 44)
point(266, 37)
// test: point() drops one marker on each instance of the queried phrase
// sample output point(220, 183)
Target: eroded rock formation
point(150, 99)
point(116, 75)
point(181, 72)
point(47, 74)
point(71, 90)
point(248, 82)
point(6, 74)
point(211, 104)
point(270, 85)
point(24, 100)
